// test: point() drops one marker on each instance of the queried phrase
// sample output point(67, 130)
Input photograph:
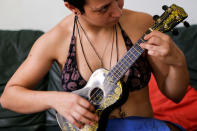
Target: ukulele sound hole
point(96, 96)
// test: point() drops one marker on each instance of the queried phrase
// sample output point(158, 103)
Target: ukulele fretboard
point(116, 73)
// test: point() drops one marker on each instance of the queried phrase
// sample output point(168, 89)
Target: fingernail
point(91, 123)
point(141, 45)
point(150, 52)
point(97, 118)
point(145, 37)
point(81, 127)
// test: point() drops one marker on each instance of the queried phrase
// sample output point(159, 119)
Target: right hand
point(75, 109)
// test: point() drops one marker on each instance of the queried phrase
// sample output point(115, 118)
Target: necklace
point(100, 58)
point(122, 114)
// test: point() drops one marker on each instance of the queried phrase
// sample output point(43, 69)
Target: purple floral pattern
point(71, 78)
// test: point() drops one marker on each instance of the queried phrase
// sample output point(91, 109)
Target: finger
point(86, 104)
point(86, 113)
point(154, 50)
point(148, 46)
point(81, 119)
point(156, 33)
point(73, 121)
point(154, 40)
point(153, 53)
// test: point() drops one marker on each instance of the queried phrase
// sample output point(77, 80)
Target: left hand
point(163, 48)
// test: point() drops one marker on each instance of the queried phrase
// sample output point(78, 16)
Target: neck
point(94, 29)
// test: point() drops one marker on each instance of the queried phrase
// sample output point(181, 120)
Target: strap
point(126, 38)
point(75, 21)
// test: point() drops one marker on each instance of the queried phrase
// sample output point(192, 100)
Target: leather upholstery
point(186, 40)
point(14, 47)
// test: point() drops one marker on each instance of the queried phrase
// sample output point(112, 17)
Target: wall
point(44, 14)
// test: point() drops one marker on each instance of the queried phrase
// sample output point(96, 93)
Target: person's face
point(103, 12)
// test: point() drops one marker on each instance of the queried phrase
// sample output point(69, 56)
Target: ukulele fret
point(122, 66)
point(137, 47)
point(125, 62)
point(133, 54)
point(136, 50)
point(115, 73)
point(120, 70)
point(114, 77)
point(129, 58)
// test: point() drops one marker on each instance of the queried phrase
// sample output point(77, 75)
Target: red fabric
point(183, 113)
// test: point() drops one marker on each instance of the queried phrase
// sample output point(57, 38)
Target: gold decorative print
point(68, 127)
point(90, 128)
point(118, 91)
point(112, 97)
point(109, 100)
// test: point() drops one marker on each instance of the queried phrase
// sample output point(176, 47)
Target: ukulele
point(104, 87)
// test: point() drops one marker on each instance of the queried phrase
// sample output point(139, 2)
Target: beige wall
point(44, 14)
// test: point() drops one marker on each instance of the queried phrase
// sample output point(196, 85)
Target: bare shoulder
point(135, 23)
point(44, 51)
point(55, 39)
point(139, 20)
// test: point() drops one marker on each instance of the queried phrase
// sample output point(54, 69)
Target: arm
point(19, 87)
point(19, 95)
point(167, 60)
point(169, 66)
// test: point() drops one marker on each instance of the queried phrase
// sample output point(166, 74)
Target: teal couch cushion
point(14, 48)
point(186, 40)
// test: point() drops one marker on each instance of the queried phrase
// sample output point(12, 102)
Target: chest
point(103, 54)
point(82, 63)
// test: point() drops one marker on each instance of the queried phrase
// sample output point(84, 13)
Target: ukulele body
point(101, 92)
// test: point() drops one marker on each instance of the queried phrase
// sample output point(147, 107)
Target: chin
point(108, 24)
point(112, 23)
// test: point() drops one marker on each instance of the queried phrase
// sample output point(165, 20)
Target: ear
point(72, 8)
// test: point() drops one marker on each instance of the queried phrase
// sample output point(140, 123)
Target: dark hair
point(77, 3)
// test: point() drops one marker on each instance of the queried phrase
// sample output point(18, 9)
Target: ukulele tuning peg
point(186, 24)
point(164, 7)
point(155, 17)
point(175, 31)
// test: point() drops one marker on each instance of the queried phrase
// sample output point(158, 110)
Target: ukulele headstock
point(172, 16)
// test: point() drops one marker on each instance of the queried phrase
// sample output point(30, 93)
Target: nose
point(116, 10)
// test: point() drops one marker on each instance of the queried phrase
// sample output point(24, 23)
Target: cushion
point(183, 113)
point(186, 40)
point(14, 47)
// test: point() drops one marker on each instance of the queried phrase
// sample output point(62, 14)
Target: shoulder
point(136, 19)
point(135, 23)
point(61, 32)
point(56, 38)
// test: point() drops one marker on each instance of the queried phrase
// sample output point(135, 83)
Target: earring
point(76, 18)
point(75, 13)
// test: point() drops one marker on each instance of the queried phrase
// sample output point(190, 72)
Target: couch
point(14, 47)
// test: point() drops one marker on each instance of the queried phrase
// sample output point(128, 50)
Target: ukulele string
point(108, 82)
